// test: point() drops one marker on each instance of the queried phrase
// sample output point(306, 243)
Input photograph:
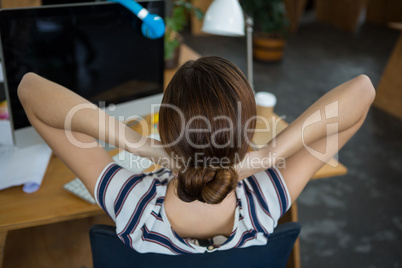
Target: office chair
point(109, 251)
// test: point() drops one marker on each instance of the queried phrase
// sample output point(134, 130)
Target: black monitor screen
point(96, 50)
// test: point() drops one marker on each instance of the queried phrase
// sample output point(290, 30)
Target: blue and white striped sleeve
point(274, 195)
point(115, 185)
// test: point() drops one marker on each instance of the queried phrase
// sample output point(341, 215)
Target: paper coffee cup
point(266, 102)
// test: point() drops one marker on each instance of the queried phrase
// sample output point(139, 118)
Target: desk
point(49, 228)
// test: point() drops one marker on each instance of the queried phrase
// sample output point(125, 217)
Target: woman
point(220, 195)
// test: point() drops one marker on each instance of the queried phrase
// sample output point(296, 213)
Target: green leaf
point(269, 15)
point(170, 46)
point(199, 14)
point(176, 23)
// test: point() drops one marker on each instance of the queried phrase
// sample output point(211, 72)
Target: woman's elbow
point(365, 88)
point(23, 88)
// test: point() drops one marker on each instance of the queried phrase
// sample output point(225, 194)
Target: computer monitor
point(95, 49)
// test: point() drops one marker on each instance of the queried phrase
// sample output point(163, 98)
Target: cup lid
point(265, 99)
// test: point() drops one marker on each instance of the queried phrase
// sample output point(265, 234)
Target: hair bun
point(206, 184)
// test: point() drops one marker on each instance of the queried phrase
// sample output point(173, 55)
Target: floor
point(354, 220)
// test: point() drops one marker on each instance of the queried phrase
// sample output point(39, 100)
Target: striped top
point(135, 203)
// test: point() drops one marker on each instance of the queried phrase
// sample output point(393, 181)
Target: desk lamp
point(152, 27)
point(225, 17)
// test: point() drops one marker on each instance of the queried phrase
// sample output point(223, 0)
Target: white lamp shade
point(224, 17)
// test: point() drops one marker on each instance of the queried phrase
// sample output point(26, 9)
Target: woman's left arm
point(315, 136)
point(70, 125)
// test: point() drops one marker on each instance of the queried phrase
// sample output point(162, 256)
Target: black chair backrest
point(109, 251)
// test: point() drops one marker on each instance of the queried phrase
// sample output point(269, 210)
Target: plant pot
point(267, 48)
point(173, 62)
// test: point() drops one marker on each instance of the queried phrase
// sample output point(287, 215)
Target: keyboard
point(77, 188)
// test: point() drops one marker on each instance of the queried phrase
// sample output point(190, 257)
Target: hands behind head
point(253, 162)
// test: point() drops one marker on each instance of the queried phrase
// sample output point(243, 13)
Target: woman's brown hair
point(202, 120)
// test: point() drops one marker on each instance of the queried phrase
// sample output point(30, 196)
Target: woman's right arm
point(70, 125)
point(61, 108)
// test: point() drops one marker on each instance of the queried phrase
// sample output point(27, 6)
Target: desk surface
point(51, 203)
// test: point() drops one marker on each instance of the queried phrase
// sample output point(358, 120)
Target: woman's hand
point(254, 162)
point(153, 150)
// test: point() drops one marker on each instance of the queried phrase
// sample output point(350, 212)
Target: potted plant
point(270, 28)
point(174, 24)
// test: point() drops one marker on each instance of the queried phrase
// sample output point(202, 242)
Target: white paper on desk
point(24, 166)
point(6, 137)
